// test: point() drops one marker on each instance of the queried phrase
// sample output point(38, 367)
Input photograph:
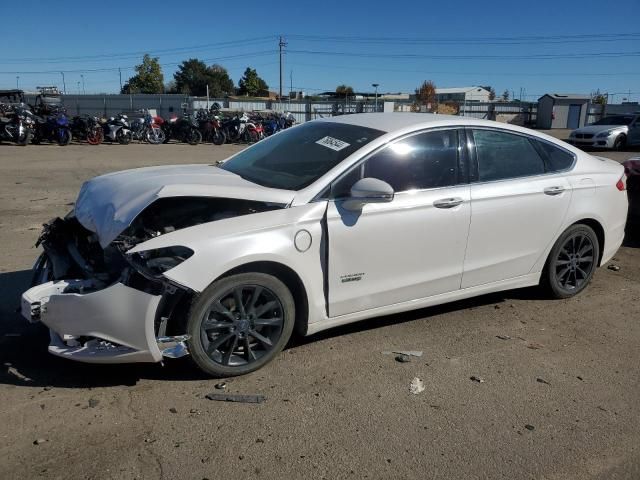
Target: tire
point(193, 137)
point(620, 142)
point(237, 344)
point(95, 136)
point(571, 262)
point(219, 137)
point(24, 139)
point(64, 137)
point(123, 138)
point(155, 136)
point(251, 136)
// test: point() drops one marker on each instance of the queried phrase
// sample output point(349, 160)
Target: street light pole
point(17, 82)
point(376, 85)
point(82, 77)
point(64, 85)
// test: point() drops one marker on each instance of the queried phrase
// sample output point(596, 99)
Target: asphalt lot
point(336, 406)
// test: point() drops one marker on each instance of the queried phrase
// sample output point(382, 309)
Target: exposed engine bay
point(74, 258)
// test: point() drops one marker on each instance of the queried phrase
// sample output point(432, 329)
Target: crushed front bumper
point(111, 325)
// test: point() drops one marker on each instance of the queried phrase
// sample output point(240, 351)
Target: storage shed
point(562, 110)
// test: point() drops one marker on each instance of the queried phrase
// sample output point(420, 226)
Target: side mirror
point(368, 190)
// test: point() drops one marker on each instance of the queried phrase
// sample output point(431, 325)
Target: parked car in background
point(330, 222)
point(612, 132)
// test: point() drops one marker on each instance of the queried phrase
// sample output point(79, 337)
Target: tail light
point(621, 185)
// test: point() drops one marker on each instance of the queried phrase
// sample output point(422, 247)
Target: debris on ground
point(227, 397)
point(93, 402)
point(18, 375)
point(416, 386)
point(503, 337)
point(39, 441)
point(220, 386)
point(615, 268)
point(475, 378)
point(403, 358)
point(535, 346)
point(579, 378)
point(531, 428)
point(173, 410)
point(542, 380)
point(409, 353)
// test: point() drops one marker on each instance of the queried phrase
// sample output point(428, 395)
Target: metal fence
point(166, 105)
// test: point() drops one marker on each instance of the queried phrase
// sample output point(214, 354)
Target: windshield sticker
point(332, 143)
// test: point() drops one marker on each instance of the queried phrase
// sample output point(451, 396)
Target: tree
point(426, 95)
point(344, 90)
point(505, 95)
point(251, 84)
point(148, 77)
point(598, 98)
point(193, 76)
point(492, 94)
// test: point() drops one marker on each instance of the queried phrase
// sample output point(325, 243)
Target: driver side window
point(422, 161)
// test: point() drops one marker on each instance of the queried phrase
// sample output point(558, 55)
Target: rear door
point(519, 199)
point(634, 132)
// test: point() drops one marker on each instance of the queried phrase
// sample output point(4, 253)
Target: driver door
point(411, 247)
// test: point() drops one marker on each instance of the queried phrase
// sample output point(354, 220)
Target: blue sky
point(396, 44)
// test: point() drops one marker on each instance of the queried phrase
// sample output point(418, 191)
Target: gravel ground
point(558, 400)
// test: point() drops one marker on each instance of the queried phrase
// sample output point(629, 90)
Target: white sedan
point(330, 222)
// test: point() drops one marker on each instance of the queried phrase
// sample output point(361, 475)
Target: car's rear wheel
point(240, 323)
point(572, 262)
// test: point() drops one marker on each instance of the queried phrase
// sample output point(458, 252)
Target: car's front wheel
point(572, 262)
point(620, 142)
point(239, 323)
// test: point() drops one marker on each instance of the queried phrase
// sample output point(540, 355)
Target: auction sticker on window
point(332, 143)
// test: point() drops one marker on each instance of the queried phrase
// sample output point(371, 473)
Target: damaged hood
point(109, 203)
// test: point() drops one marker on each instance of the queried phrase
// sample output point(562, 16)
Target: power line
point(121, 56)
point(467, 57)
point(435, 72)
point(513, 40)
point(114, 69)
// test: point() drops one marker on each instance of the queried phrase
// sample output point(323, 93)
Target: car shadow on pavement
point(25, 361)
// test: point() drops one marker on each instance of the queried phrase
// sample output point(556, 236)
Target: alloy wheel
point(575, 262)
point(242, 325)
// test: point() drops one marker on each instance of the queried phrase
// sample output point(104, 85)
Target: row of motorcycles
point(21, 126)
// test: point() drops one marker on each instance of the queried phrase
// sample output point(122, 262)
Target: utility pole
point(64, 85)
point(82, 77)
point(17, 82)
point(281, 44)
point(120, 74)
point(376, 85)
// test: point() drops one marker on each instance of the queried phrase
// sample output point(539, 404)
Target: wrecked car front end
point(103, 304)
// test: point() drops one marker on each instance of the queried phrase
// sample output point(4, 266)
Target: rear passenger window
point(504, 155)
point(557, 159)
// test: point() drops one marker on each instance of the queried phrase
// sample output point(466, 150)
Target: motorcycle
point(242, 129)
point(16, 125)
point(145, 128)
point(53, 128)
point(87, 128)
point(116, 129)
point(183, 129)
point(210, 127)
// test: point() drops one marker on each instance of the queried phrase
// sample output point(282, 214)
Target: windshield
point(297, 157)
point(615, 120)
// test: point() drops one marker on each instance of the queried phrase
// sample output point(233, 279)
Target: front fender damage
point(103, 307)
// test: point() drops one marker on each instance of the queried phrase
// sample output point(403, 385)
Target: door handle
point(448, 202)
point(553, 190)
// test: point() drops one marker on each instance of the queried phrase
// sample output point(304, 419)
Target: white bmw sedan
point(330, 222)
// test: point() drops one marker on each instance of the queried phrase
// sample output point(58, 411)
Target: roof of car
point(390, 122)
